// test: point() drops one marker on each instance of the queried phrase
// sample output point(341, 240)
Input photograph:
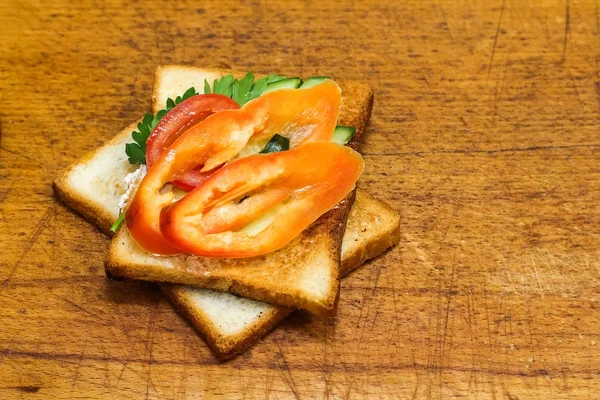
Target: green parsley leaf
point(241, 90)
point(161, 114)
point(170, 103)
point(189, 93)
point(224, 85)
point(235, 92)
point(136, 152)
point(260, 85)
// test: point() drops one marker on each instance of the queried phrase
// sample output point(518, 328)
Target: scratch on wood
point(562, 366)
point(73, 359)
point(474, 336)
point(378, 272)
point(130, 42)
point(567, 27)
point(597, 55)
point(493, 151)
point(449, 293)
point(288, 375)
point(543, 25)
point(490, 345)
point(77, 306)
point(182, 383)
point(18, 154)
point(496, 38)
point(10, 188)
point(498, 90)
point(268, 383)
point(410, 334)
point(157, 40)
point(34, 237)
point(325, 357)
point(447, 26)
point(150, 340)
point(577, 93)
point(121, 374)
point(76, 374)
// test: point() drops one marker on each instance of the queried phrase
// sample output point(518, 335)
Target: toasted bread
point(94, 185)
point(303, 274)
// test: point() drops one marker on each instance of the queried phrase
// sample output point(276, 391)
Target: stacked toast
point(233, 302)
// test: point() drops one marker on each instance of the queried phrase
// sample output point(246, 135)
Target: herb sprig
point(136, 152)
point(117, 224)
point(241, 90)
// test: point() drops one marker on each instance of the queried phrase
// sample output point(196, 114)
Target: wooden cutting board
point(485, 135)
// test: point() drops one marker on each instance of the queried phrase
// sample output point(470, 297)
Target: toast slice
point(303, 274)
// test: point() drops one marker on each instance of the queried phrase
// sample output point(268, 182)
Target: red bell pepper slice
point(186, 114)
point(256, 205)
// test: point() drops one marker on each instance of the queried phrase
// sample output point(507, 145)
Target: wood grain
point(485, 134)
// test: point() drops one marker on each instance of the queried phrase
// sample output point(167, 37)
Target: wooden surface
point(485, 135)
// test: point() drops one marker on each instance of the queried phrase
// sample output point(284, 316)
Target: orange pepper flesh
point(304, 182)
point(301, 115)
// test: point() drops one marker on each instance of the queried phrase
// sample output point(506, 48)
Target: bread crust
point(223, 346)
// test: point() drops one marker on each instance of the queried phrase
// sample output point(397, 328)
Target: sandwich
point(303, 273)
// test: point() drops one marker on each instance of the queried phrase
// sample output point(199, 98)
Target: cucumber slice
point(343, 134)
point(313, 80)
point(276, 144)
point(290, 83)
